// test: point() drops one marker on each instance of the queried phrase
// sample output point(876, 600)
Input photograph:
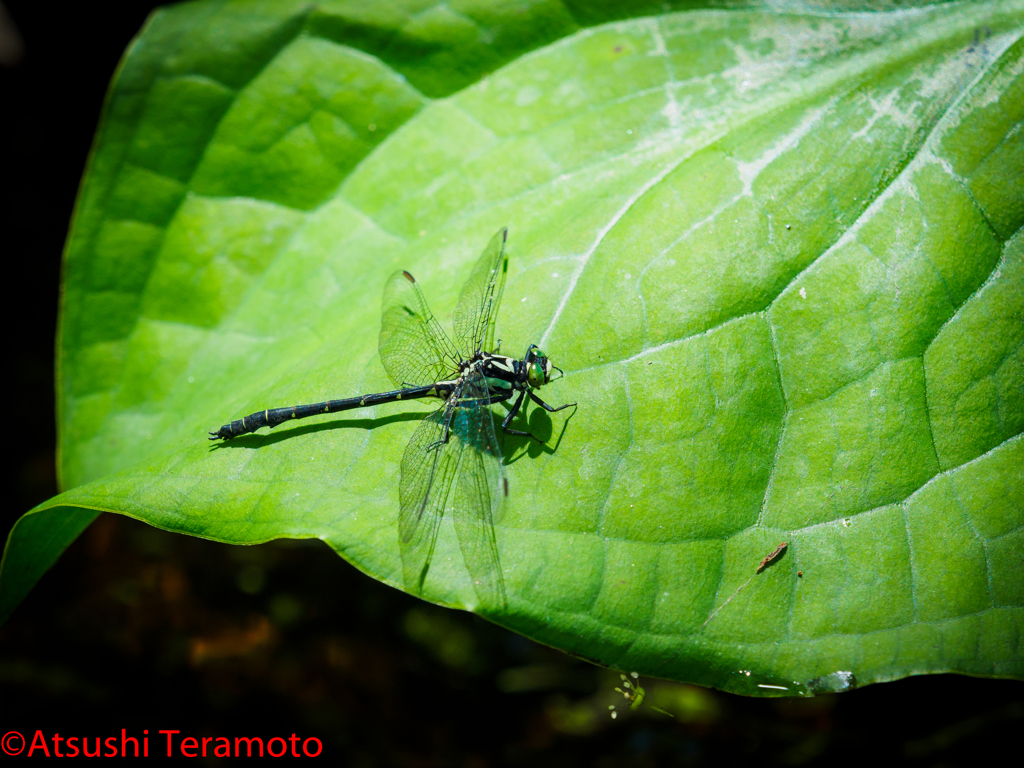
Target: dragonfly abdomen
point(274, 416)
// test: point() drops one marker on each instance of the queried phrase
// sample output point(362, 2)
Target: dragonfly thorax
point(502, 373)
point(505, 374)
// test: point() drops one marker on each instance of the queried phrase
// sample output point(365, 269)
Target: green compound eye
point(538, 353)
point(535, 375)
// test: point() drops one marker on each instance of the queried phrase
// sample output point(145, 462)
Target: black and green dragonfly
point(455, 446)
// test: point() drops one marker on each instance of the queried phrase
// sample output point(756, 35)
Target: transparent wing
point(474, 316)
point(427, 473)
point(471, 461)
point(480, 489)
point(413, 347)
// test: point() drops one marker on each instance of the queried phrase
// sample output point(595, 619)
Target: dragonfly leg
point(447, 431)
point(547, 407)
point(512, 414)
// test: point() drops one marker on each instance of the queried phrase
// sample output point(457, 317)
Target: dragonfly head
point(538, 367)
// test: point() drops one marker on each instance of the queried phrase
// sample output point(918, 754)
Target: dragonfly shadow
point(539, 425)
point(258, 440)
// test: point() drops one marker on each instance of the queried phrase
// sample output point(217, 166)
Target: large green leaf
point(778, 253)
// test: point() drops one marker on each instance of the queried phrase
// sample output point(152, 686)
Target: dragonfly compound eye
point(535, 374)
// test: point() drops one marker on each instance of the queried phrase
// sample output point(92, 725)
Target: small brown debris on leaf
point(771, 556)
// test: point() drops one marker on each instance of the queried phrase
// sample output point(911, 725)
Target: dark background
point(136, 628)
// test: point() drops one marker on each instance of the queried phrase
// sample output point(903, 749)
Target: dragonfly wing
point(474, 316)
point(480, 488)
point(428, 468)
point(413, 347)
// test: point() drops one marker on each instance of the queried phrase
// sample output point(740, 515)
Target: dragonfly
point(454, 452)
